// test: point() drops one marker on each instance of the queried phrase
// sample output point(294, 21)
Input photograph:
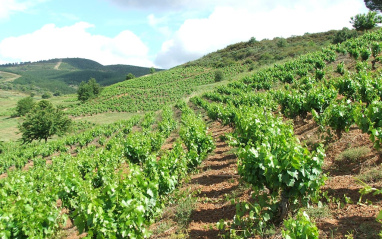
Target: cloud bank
point(75, 41)
point(228, 25)
point(8, 7)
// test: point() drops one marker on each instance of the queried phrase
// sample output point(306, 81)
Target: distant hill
point(268, 51)
point(64, 75)
point(152, 92)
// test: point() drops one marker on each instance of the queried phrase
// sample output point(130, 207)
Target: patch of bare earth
point(215, 184)
point(348, 215)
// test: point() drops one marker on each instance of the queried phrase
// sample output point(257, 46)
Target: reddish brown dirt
point(215, 184)
point(218, 179)
point(348, 217)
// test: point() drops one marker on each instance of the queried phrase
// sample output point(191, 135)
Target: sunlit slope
point(151, 92)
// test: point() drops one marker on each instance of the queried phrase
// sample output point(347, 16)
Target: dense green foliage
point(373, 5)
point(219, 76)
point(38, 76)
point(88, 90)
point(44, 121)
point(24, 106)
point(300, 227)
point(46, 95)
point(344, 35)
point(362, 22)
point(130, 76)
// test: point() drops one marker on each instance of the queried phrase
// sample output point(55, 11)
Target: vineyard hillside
point(235, 61)
point(229, 148)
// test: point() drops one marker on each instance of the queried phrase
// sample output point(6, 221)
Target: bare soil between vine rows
point(343, 215)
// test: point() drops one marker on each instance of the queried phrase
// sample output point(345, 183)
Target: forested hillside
point(64, 75)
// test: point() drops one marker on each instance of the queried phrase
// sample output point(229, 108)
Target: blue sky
point(160, 33)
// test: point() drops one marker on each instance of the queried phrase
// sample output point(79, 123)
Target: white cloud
point(168, 5)
point(8, 7)
point(159, 24)
point(75, 41)
point(232, 24)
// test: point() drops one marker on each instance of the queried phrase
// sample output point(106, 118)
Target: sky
point(156, 33)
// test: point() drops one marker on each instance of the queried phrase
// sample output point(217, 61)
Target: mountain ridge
point(44, 75)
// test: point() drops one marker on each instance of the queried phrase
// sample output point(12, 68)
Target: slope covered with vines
point(338, 95)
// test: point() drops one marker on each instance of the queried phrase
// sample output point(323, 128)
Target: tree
point(88, 90)
point(24, 106)
point(152, 70)
point(252, 40)
point(367, 21)
point(46, 95)
point(344, 35)
point(374, 5)
point(43, 122)
point(219, 76)
point(282, 42)
point(130, 76)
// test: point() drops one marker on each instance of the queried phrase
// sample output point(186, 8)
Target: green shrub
point(362, 22)
point(354, 154)
point(300, 227)
point(46, 95)
point(24, 106)
point(344, 35)
point(365, 54)
point(219, 75)
point(341, 68)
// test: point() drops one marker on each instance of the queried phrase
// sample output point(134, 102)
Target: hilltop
point(64, 75)
point(235, 61)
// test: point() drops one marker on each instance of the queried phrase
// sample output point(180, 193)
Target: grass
point(319, 212)
point(353, 154)
point(8, 129)
point(6, 76)
point(8, 125)
point(106, 118)
point(184, 210)
point(372, 175)
point(8, 102)
point(163, 227)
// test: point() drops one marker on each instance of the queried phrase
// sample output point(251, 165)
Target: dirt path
point(9, 77)
point(57, 66)
point(214, 186)
point(217, 183)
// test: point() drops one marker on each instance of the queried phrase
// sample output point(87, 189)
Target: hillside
point(64, 75)
point(281, 151)
point(237, 60)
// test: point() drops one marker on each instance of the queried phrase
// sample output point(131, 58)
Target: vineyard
point(297, 148)
point(149, 93)
point(318, 86)
point(106, 181)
